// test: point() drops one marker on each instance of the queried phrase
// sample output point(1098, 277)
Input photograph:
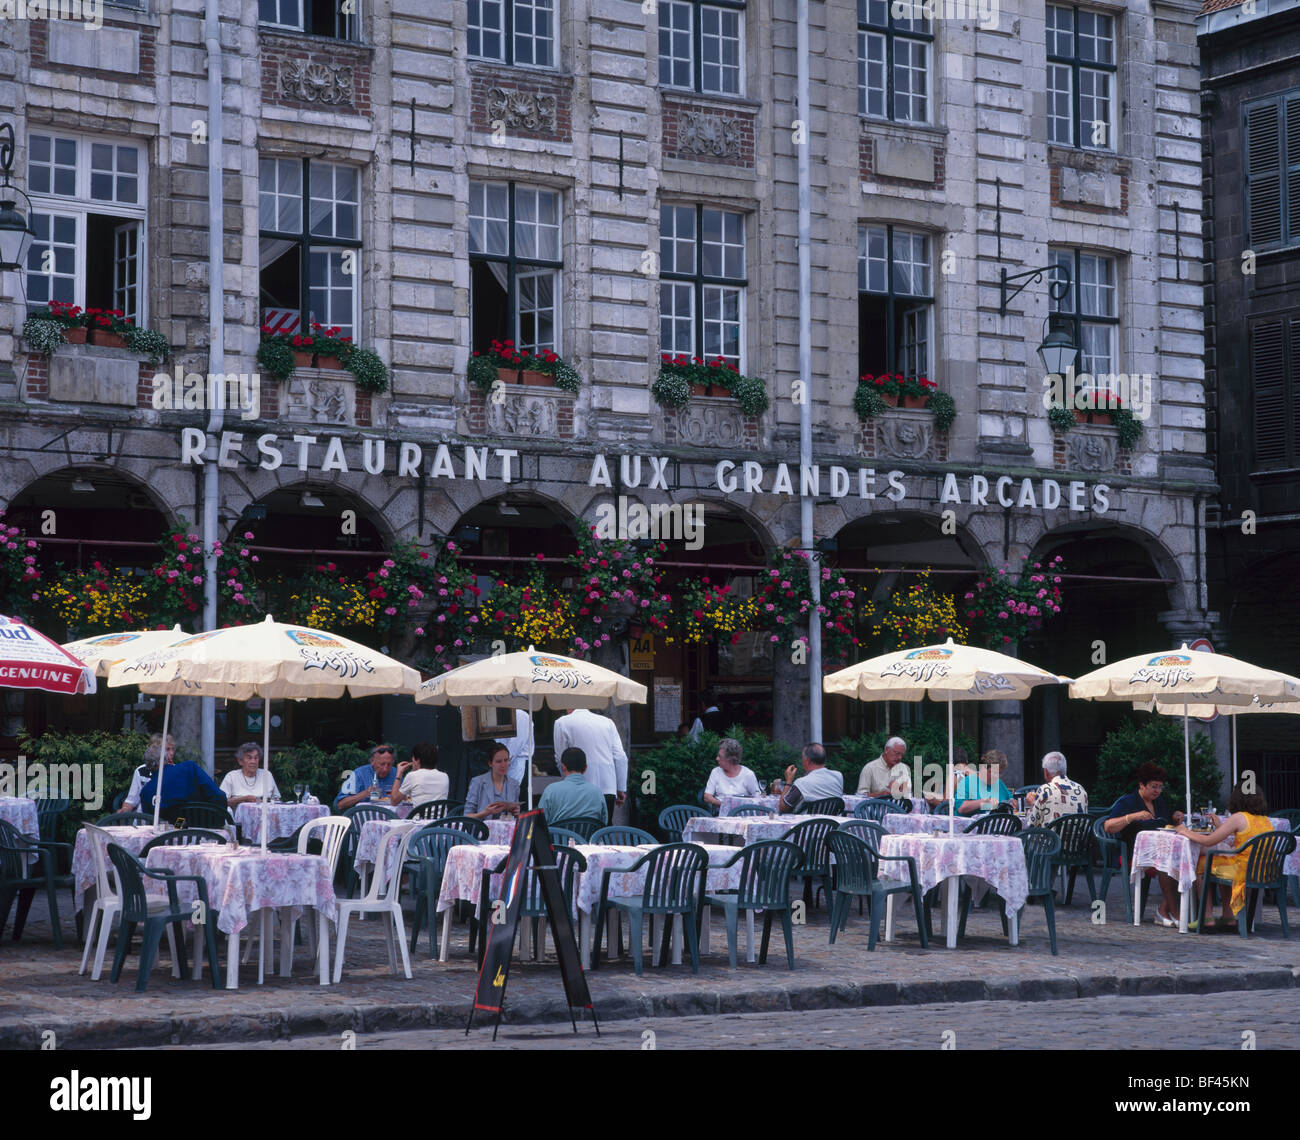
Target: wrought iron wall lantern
point(15, 227)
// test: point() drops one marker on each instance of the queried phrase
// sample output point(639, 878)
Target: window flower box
point(539, 370)
point(106, 339)
point(876, 393)
point(282, 355)
point(682, 377)
point(534, 379)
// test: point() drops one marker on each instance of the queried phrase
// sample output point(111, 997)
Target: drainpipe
point(216, 355)
point(805, 375)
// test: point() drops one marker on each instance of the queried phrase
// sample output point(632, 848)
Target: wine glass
point(298, 790)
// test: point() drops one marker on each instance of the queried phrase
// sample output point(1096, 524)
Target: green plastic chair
point(125, 819)
point(867, 830)
point(1076, 851)
point(137, 909)
point(475, 827)
point(1110, 859)
point(584, 829)
point(436, 809)
point(568, 863)
point(810, 838)
point(857, 874)
point(896, 805)
point(185, 837)
point(360, 814)
point(199, 814)
point(1041, 847)
point(871, 809)
point(673, 819)
point(995, 823)
point(26, 866)
point(427, 850)
point(1264, 855)
point(750, 809)
point(831, 805)
point(49, 816)
point(765, 870)
point(564, 837)
point(622, 836)
point(674, 884)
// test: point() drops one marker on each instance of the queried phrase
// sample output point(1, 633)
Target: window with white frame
point(88, 213)
point(702, 283)
point(309, 223)
point(1092, 304)
point(895, 302)
point(893, 64)
point(700, 45)
point(515, 262)
point(338, 19)
point(1081, 78)
point(512, 31)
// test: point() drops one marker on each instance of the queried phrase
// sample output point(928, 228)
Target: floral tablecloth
point(244, 880)
point(282, 820)
point(132, 839)
point(1176, 855)
point(898, 824)
point(21, 812)
point(751, 828)
point(374, 830)
point(500, 830)
point(997, 859)
point(463, 875)
point(851, 801)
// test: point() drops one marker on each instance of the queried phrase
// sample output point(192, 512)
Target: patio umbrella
point(1186, 678)
point(270, 660)
point(30, 660)
point(1233, 711)
point(528, 680)
point(103, 652)
point(947, 672)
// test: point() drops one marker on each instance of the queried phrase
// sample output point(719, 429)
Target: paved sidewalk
point(40, 990)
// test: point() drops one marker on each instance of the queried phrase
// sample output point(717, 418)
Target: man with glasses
point(379, 771)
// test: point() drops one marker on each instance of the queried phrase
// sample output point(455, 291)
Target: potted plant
point(277, 355)
point(108, 327)
point(1061, 419)
point(147, 342)
point(540, 369)
point(876, 393)
point(331, 350)
point(716, 377)
point(43, 334)
point(69, 317)
point(368, 371)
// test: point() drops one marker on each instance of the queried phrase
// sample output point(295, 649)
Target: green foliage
point(117, 754)
point(1159, 741)
point(671, 389)
point(1130, 427)
point(867, 401)
point(566, 376)
point(309, 764)
point(751, 394)
point(1061, 419)
point(43, 335)
point(944, 409)
point(482, 372)
point(275, 354)
point(927, 739)
point(367, 370)
point(681, 768)
point(148, 343)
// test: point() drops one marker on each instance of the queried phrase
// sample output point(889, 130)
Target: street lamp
point(15, 230)
point(1058, 350)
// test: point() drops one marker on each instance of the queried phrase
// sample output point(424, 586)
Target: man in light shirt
point(887, 775)
point(421, 780)
point(817, 783)
point(1057, 797)
point(598, 738)
point(520, 747)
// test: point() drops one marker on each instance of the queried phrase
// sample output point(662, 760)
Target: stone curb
point(305, 1019)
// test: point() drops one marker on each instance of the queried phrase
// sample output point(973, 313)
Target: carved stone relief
point(702, 133)
point(317, 401)
point(523, 415)
point(1091, 451)
point(329, 84)
point(906, 437)
point(522, 110)
point(710, 427)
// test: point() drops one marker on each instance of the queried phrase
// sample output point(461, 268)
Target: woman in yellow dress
point(1246, 819)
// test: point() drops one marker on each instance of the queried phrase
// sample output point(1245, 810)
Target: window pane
point(1097, 286)
point(489, 218)
point(534, 32)
point(537, 292)
point(677, 318)
point(537, 227)
point(871, 74)
point(872, 261)
point(1060, 115)
point(910, 81)
point(676, 44)
point(677, 239)
point(1060, 31)
point(286, 13)
point(1096, 38)
point(486, 29)
point(126, 270)
point(331, 290)
point(1094, 108)
point(911, 264)
point(52, 166)
point(46, 282)
point(280, 195)
point(873, 12)
point(722, 323)
point(723, 245)
point(1063, 260)
point(1098, 349)
point(720, 50)
point(334, 202)
point(113, 173)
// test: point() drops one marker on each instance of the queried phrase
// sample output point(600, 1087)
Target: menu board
point(668, 704)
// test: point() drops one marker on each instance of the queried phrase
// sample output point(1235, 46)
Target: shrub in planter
point(148, 343)
point(43, 335)
point(331, 350)
point(276, 355)
point(868, 401)
point(671, 390)
point(1061, 419)
point(485, 367)
point(944, 409)
point(709, 376)
point(751, 393)
point(1130, 427)
point(367, 370)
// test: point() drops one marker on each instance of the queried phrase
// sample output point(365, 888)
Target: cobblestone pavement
point(40, 990)
point(1079, 1023)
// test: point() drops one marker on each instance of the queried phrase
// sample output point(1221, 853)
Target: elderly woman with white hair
point(730, 777)
point(1057, 797)
point(887, 775)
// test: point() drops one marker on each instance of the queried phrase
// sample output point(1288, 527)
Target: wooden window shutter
point(1264, 175)
point(1268, 345)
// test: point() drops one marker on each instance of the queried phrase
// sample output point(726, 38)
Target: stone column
point(790, 705)
point(1002, 726)
point(614, 656)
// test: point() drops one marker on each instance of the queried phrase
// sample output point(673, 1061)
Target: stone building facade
point(942, 153)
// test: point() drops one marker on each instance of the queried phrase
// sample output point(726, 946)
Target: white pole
point(162, 761)
point(952, 787)
point(1234, 750)
point(266, 759)
point(532, 728)
point(1187, 762)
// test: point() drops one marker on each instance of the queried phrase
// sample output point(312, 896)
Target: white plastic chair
point(335, 830)
point(108, 905)
point(381, 897)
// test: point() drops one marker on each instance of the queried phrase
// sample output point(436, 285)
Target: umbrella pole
point(532, 728)
point(162, 761)
point(952, 787)
point(266, 758)
point(1234, 750)
point(1187, 762)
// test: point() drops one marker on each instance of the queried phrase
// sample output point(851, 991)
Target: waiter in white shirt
point(598, 738)
point(520, 747)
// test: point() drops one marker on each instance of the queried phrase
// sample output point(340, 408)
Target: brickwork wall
point(324, 58)
point(701, 132)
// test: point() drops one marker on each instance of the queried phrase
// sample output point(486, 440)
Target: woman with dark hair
point(1246, 819)
point(1143, 810)
point(493, 794)
point(420, 779)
